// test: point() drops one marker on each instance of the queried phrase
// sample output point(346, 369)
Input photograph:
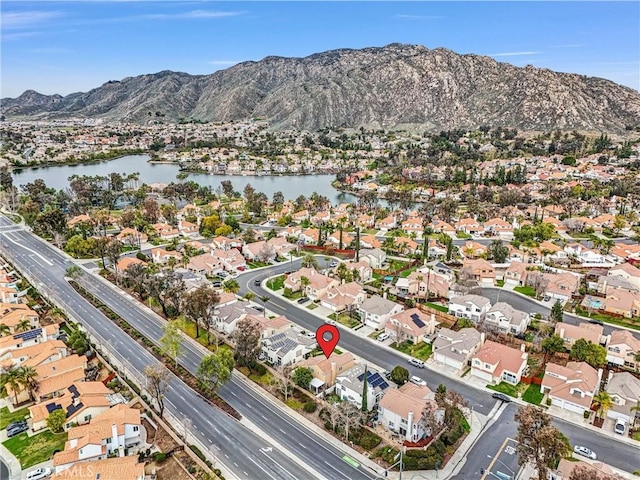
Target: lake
point(291, 186)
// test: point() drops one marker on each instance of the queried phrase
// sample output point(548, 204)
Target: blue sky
point(64, 47)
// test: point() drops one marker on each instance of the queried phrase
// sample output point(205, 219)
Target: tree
point(23, 325)
point(12, 378)
point(400, 375)
point(309, 261)
point(266, 254)
point(352, 416)
point(157, 384)
point(215, 369)
point(112, 252)
point(539, 442)
point(199, 305)
point(281, 380)
point(557, 313)
point(4, 329)
point(552, 345)
point(594, 355)
point(247, 337)
point(602, 402)
point(538, 282)
point(171, 340)
point(264, 299)
point(497, 251)
point(56, 420)
point(302, 377)
point(73, 272)
point(28, 379)
point(231, 286)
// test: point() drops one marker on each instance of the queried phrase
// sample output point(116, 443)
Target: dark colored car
point(502, 397)
point(596, 321)
point(15, 428)
point(303, 299)
point(257, 281)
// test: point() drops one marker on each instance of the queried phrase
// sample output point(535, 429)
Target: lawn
point(462, 235)
point(529, 291)
point(408, 271)
point(345, 320)
point(257, 264)
point(421, 351)
point(532, 394)
point(312, 306)
point(506, 388)
point(6, 417)
point(37, 449)
point(633, 323)
point(500, 283)
point(276, 283)
point(435, 306)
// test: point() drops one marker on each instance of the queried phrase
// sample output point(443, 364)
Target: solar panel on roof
point(416, 319)
point(74, 390)
point(384, 385)
point(53, 406)
point(29, 334)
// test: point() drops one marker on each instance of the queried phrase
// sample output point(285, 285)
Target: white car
point(383, 336)
point(585, 452)
point(331, 322)
point(418, 381)
point(39, 474)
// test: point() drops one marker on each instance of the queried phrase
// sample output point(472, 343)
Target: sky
point(65, 47)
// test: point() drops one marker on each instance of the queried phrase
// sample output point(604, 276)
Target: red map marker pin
point(327, 345)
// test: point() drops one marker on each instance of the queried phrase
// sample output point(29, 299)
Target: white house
point(350, 386)
point(375, 257)
point(473, 307)
point(507, 319)
point(400, 410)
point(497, 363)
point(624, 390)
point(288, 347)
point(375, 311)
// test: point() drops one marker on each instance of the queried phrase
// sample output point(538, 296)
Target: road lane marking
point(27, 248)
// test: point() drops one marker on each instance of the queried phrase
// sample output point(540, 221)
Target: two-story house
point(622, 349)
point(455, 349)
point(472, 307)
point(570, 333)
point(507, 319)
point(343, 297)
point(287, 347)
point(624, 390)
point(350, 386)
point(400, 411)
point(375, 311)
point(497, 363)
point(326, 370)
point(411, 325)
point(482, 271)
point(572, 387)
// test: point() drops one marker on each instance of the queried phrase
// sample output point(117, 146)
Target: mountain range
point(393, 86)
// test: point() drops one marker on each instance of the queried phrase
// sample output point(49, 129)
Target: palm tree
point(27, 376)
point(265, 299)
point(23, 325)
point(304, 283)
point(637, 410)
point(11, 378)
point(4, 329)
point(231, 286)
point(602, 402)
point(309, 261)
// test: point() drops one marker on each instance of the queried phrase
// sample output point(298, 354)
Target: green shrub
point(310, 407)
point(160, 457)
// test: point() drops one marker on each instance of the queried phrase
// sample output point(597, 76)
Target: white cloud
point(512, 54)
point(195, 14)
point(17, 20)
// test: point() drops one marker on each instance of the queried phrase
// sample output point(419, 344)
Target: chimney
point(410, 426)
point(44, 334)
point(334, 373)
point(522, 347)
point(384, 294)
point(114, 437)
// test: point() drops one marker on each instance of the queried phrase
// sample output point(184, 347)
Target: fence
point(336, 252)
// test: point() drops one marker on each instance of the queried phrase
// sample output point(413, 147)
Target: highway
point(239, 448)
point(618, 454)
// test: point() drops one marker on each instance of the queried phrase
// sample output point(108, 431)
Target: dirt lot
point(164, 441)
point(168, 470)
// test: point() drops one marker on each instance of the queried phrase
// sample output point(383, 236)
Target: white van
point(39, 474)
point(416, 363)
point(383, 336)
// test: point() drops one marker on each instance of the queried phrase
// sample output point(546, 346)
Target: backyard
point(421, 350)
point(345, 319)
point(37, 449)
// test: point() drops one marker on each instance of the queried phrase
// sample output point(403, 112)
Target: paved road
point(620, 455)
point(4, 471)
point(529, 305)
point(239, 446)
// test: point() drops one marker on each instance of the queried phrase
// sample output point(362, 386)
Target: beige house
point(497, 363)
point(483, 272)
point(570, 333)
point(624, 390)
point(572, 387)
point(317, 286)
point(376, 311)
point(628, 271)
point(343, 297)
point(400, 410)
point(455, 349)
point(33, 355)
point(411, 325)
point(516, 274)
point(326, 370)
point(622, 349)
point(12, 314)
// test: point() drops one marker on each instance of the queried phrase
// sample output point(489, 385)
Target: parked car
point(331, 322)
point(222, 274)
point(216, 284)
point(416, 363)
point(620, 427)
point(585, 452)
point(596, 321)
point(386, 374)
point(258, 308)
point(17, 428)
point(39, 473)
point(502, 397)
point(383, 336)
point(302, 300)
point(334, 263)
point(242, 269)
point(546, 298)
point(262, 357)
point(417, 381)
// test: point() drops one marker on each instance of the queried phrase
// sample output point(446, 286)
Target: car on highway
point(502, 397)
point(39, 473)
point(585, 452)
point(417, 381)
point(16, 428)
point(416, 363)
point(302, 300)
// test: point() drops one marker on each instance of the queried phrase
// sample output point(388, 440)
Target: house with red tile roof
point(571, 387)
point(411, 325)
point(497, 363)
